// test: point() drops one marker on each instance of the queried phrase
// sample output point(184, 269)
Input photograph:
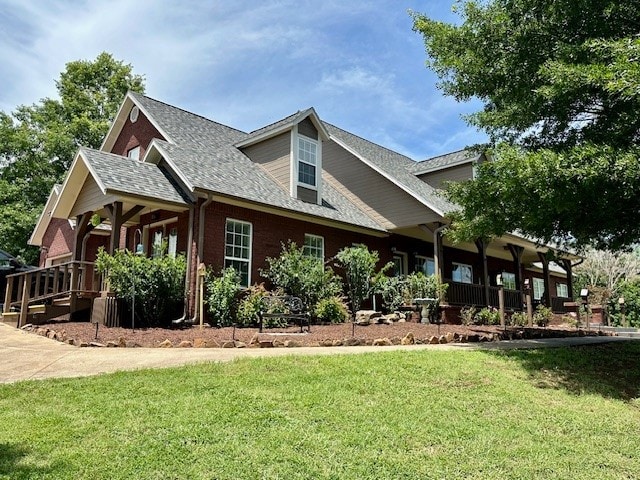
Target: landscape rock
point(353, 341)
point(51, 334)
point(70, 341)
point(382, 342)
point(199, 343)
point(442, 339)
point(396, 341)
point(28, 326)
point(255, 340)
point(122, 342)
point(408, 339)
point(291, 343)
point(131, 344)
point(166, 344)
point(112, 344)
point(450, 337)
point(367, 317)
point(326, 343)
point(337, 342)
point(96, 344)
point(266, 344)
point(185, 344)
point(83, 344)
point(239, 344)
point(229, 344)
point(434, 340)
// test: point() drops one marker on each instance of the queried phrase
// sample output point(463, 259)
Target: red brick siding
point(133, 134)
point(57, 240)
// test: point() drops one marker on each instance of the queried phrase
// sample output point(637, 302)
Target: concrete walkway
point(25, 356)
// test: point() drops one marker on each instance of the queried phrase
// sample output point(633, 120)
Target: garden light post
point(622, 311)
point(584, 294)
point(500, 284)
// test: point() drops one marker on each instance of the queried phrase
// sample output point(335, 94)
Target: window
point(399, 263)
point(313, 246)
point(462, 273)
point(509, 280)
point(538, 288)
point(134, 153)
point(173, 242)
point(425, 265)
point(307, 162)
point(237, 249)
point(157, 244)
point(562, 290)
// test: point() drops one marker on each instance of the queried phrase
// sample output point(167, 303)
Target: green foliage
point(468, 315)
point(391, 290)
point(156, 283)
point(542, 316)
point(302, 276)
point(332, 309)
point(250, 306)
point(359, 266)
point(487, 316)
point(419, 285)
point(519, 319)
point(38, 142)
point(222, 297)
point(630, 291)
point(559, 83)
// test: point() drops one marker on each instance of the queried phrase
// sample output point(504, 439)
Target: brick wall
point(58, 240)
point(135, 134)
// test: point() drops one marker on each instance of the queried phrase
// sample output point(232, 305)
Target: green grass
point(558, 413)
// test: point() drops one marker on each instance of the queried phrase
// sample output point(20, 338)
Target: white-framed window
point(538, 288)
point(562, 290)
point(134, 153)
point(313, 246)
point(237, 249)
point(173, 242)
point(462, 273)
point(425, 265)
point(399, 263)
point(509, 280)
point(307, 162)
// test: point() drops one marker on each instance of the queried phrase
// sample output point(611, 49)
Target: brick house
point(225, 197)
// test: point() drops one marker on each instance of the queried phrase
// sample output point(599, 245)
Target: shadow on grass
point(11, 465)
point(611, 370)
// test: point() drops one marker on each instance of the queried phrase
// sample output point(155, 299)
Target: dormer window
point(134, 153)
point(307, 162)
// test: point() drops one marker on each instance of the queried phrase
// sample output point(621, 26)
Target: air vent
point(133, 116)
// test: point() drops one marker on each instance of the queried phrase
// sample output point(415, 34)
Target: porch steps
point(11, 318)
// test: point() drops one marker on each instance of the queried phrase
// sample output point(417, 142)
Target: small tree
point(222, 296)
point(359, 266)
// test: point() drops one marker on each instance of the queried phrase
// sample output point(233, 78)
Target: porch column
point(481, 245)
point(516, 254)
point(568, 267)
point(438, 255)
point(83, 227)
point(547, 280)
point(118, 219)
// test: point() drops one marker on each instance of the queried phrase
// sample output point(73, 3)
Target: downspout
point(436, 251)
point(205, 204)
point(187, 276)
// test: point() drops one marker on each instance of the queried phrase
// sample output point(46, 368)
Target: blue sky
point(249, 63)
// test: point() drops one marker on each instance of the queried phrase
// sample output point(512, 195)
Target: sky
point(248, 63)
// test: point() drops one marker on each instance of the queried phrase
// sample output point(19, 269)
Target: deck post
point(516, 253)
point(8, 295)
point(546, 278)
point(481, 245)
point(24, 303)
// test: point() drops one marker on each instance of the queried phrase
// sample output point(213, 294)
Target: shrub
point(519, 319)
point(542, 316)
point(391, 290)
point(222, 297)
point(302, 276)
point(419, 285)
point(487, 316)
point(156, 284)
point(468, 315)
point(332, 309)
point(248, 313)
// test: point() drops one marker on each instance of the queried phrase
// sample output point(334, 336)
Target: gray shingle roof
point(445, 161)
point(395, 166)
point(205, 154)
point(125, 175)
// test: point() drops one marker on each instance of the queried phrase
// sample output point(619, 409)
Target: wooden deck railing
point(473, 295)
point(70, 279)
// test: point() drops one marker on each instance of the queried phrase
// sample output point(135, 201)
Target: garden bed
point(84, 334)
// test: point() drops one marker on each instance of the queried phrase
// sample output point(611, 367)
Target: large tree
point(560, 83)
point(38, 142)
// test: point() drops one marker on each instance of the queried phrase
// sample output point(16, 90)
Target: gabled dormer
point(290, 151)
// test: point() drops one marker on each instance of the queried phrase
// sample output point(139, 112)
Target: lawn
point(557, 413)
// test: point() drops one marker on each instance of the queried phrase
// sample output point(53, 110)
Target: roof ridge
point(442, 155)
point(276, 121)
point(187, 111)
point(369, 141)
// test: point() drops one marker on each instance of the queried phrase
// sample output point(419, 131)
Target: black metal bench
point(286, 307)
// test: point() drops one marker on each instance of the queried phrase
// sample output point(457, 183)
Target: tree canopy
point(38, 142)
point(560, 83)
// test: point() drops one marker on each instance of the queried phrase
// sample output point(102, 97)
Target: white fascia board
point(44, 219)
point(286, 127)
point(78, 162)
point(387, 176)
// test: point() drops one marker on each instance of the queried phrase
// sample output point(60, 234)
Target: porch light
point(527, 282)
point(139, 249)
point(139, 246)
point(499, 279)
point(584, 293)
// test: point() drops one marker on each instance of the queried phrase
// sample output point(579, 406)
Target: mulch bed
point(84, 334)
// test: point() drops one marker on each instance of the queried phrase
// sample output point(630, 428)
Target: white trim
point(45, 218)
point(248, 260)
point(313, 142)
point(48, 261)
point(312, 236)
point(154, 146)
point(162, 223)
point(404, 258)
point(399, 184)
point(293, 164)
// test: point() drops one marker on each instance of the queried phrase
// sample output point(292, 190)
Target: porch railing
point(471, 294)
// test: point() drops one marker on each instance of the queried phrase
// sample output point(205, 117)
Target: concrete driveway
point(25, 356)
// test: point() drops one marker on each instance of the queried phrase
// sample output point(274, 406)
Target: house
point(230, 198)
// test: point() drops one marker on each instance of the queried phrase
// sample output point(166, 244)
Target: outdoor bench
point(286, 307)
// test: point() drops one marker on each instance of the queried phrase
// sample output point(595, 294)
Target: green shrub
point(468, 315)
point(302, 276)
point(222, 297)
point(542, 316)
point(155, 284)
point(332, 309)
point(248, 313)
point(419, 285)
point(519, 319)
point(391, 290)
point(487, 316)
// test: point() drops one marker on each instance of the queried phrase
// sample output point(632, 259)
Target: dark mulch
point(83, 332)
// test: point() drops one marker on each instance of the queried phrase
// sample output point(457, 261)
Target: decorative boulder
point(367, 317)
